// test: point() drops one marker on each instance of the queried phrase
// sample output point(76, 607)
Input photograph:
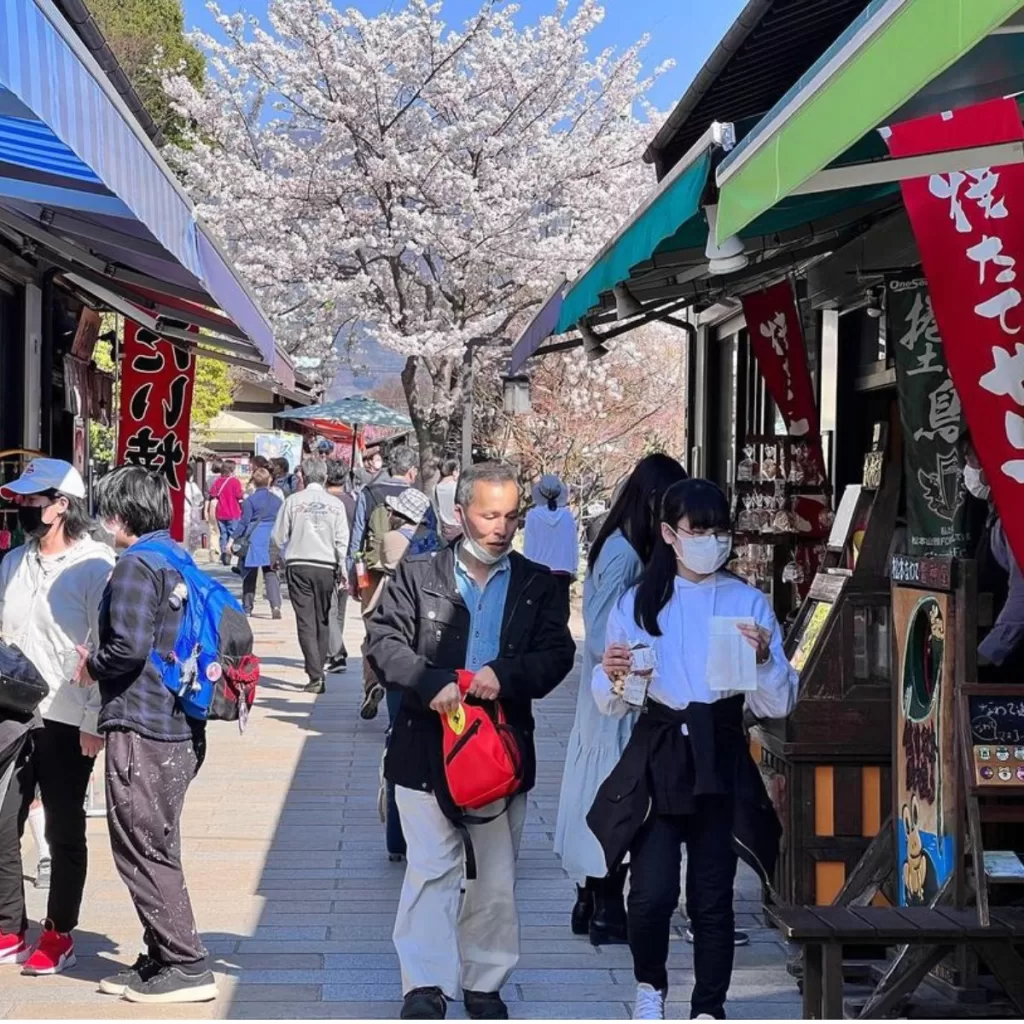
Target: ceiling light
point(593, 348)
point(626, 303)
point(728, 257)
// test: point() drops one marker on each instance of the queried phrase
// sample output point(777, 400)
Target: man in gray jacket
point(312, 531)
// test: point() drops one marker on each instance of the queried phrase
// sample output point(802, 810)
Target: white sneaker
point(704, 1016)
point(649, 1003)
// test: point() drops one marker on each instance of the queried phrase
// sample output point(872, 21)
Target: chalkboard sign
point(997, 720)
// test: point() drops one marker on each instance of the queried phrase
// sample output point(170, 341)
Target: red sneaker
point(53, 953)
point(12, 948)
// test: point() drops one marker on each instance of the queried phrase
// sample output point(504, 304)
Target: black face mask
point(30, 518)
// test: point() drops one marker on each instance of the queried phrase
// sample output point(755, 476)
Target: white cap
point(46, 475)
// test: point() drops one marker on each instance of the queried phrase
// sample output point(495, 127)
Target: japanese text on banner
point(969, 227)
point(157, 379)
point(932, 421)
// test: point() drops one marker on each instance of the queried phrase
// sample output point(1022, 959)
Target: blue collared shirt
point(486, 610)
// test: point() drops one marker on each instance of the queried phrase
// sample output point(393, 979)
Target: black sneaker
point(424, 1004)
point(371, 701)
point(275, 613)
point(143, 968)
point(337, 665)
point(484, 1005)
point(315, 686)
point(171, 984)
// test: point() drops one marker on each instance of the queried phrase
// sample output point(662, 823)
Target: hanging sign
point(778, 343)
point(969, 227)
point(156, 411)
point(932, 421)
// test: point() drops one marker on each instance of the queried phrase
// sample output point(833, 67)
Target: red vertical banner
point(969, 227)
point(777, 339)
point(157, 379)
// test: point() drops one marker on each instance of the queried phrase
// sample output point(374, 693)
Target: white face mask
point(477, 550)
point(702, 555)
point(974, 484)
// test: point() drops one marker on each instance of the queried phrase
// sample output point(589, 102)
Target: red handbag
point(483, 761)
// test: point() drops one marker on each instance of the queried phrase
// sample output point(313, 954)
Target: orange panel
point(755, 751)
point(824, 810)
point(880, 900)
point(870, 800)
point(829, 876)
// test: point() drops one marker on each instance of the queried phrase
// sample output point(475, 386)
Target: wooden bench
point(822, 931)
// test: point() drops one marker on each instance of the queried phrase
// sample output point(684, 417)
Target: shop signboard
point(280, 445)
point(932, 421)
point(156, 411)
point(925, 799)
point(969, 227)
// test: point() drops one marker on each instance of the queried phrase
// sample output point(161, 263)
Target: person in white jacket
point(50, 590)
point(551, 536)
point(677, 646)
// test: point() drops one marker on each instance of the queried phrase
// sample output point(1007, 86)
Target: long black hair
point(703, 504)
point(635, 511)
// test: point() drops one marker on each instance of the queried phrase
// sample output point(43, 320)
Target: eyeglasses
point(718, 535)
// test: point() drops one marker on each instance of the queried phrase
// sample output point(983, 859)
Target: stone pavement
point(294, 894)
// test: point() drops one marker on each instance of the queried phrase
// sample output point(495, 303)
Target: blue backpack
point(212, 670)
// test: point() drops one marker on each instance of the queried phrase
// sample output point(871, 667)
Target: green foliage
point(148, 39)
point(654, 445)
point(213, 392)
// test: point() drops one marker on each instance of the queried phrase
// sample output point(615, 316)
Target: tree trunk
point(433, 390)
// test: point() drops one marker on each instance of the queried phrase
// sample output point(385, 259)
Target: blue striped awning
point(79, 176)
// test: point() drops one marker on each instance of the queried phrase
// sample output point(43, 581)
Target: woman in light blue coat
point(597, 741)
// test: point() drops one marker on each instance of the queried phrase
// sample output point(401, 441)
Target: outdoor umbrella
point(353, 411)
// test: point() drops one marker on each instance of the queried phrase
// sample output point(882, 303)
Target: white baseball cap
point(46, 475)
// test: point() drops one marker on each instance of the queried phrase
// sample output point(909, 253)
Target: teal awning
point(675, 205)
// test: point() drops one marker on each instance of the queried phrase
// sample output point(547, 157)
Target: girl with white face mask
point(687, 766)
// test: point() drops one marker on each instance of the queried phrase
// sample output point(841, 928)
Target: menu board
point(997, 736)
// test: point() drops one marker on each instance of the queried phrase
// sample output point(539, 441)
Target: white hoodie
point(48, 606)
point(551, 539)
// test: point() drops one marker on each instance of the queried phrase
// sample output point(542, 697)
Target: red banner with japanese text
point(157, 379)
point(773, 323)
point(969, 227)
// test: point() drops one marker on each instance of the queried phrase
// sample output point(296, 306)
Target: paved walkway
point(295, 896)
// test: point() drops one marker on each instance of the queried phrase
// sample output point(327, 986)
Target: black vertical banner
point(932, 420)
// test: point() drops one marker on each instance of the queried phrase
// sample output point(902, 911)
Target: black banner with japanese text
point(932, 421)
point(156, 411)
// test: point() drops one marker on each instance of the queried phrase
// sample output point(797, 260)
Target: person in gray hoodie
point(312, 530)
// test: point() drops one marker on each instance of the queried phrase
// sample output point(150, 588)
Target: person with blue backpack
point(168, 637)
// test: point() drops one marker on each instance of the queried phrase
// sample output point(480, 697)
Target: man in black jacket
point(477, 606)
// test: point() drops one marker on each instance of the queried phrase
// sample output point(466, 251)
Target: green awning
point(676, 203)
point(886, 57)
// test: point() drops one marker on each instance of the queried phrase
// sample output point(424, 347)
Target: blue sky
point(685, 30)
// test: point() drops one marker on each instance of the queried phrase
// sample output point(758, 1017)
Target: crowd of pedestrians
point(462, 635)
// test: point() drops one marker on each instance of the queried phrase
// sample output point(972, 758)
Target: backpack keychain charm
point(5, 539)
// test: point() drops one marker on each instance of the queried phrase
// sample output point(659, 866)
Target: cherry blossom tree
point(590, 423)
point(424, 185)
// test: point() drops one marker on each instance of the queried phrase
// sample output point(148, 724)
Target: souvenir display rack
point(781, 514)
point(828, 765)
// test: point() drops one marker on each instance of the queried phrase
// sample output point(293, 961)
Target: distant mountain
point(366, 366)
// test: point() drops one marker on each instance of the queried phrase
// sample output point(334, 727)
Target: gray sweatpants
point(146, 785)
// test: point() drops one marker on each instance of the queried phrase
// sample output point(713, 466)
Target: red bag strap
point(464, 678)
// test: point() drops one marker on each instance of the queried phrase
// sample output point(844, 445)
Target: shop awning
point(900, 58)
point(81, 181)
